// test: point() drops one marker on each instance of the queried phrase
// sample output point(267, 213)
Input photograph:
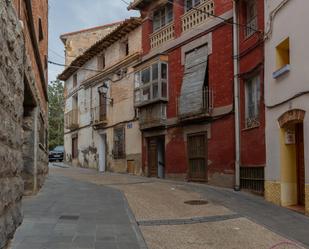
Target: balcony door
point(102, 107)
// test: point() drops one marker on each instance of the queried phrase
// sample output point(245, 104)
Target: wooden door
point(131, 167)
point(197, 157)
point(153, 157)
point(300, 164)
point(74, 147)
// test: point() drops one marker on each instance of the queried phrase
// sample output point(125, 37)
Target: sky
point(72, 15)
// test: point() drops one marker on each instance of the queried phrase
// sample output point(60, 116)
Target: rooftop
point(124, 28)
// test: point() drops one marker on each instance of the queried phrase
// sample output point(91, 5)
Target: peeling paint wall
point(120, 111)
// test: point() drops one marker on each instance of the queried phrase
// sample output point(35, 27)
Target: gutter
point(36, 47)
point(236, 97)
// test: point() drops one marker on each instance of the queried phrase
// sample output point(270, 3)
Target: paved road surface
point(73, 214)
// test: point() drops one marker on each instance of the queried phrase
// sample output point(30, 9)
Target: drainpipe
point(236, 96)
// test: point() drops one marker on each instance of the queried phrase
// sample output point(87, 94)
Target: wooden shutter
point(191, 98)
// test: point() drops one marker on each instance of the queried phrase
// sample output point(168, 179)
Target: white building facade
point(287, 103)
point(101, 124)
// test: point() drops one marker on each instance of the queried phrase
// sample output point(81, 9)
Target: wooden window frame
point(163, 17)
point(75, 80)
point(252, 121)
point(251, 21)
point(101, 61)
point(193, 3)
point(160, 83)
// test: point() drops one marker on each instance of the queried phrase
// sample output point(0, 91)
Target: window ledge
point(251, 127)
point(149, 102)
point(283, 70)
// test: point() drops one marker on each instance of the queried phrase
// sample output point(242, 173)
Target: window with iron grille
point(252, 95)
point(251, 17)
point(162, 16)
point(119, 143)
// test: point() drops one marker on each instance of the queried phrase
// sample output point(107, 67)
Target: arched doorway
point(292, 159)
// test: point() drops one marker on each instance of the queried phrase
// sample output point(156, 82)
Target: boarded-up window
point(192, 98)
point(252, 90)
point(119, 143)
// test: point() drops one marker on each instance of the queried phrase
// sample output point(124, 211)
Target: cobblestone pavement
point(229, 219)
point(69, 214)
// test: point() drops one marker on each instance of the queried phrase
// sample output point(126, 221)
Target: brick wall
point(11, 112)
point(251, 57)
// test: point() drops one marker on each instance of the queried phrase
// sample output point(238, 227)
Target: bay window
point(151, 83)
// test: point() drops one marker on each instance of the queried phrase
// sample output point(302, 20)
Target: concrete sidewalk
point(285, 222)
point(72, 214)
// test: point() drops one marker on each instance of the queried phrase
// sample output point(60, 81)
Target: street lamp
point(103, 90)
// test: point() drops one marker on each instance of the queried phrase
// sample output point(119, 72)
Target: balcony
point(194, 18)
point(163, 35)
point(251, 27)
point(99, 117)
point(152, 116)
point(196, 109)
point(71, 120)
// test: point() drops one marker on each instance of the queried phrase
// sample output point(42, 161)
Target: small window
point(251, 17)
point(162, 16)
point(74, 80)
point(283, 54)
point(252, 95)
point(41, 34)
point(101, 62)
point(126, 46)
point(119, 143)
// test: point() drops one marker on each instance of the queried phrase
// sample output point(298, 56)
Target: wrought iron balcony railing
point(71, 119)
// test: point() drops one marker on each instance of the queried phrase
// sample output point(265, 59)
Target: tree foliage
point(56, 113)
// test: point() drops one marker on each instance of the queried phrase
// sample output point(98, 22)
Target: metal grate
point(252, 178)
point(196, 202)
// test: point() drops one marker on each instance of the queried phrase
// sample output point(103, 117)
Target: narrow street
point(79, 208)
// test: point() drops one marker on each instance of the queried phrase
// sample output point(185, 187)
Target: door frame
point(205, 134)
point(299, 133)
point(102, 153)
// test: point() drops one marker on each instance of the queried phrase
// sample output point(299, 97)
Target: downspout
point(236, 96)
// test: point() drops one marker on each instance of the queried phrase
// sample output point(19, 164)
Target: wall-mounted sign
point(289, 137)
point(130, 125)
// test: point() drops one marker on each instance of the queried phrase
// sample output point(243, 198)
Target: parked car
point(56, 154)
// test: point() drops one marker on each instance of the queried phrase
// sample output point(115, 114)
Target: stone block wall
point(11, 115)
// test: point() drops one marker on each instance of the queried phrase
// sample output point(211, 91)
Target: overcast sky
point(72, 15)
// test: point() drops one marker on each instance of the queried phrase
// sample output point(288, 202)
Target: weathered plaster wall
point(77, 42)
point(11, 113)
point(120, 111)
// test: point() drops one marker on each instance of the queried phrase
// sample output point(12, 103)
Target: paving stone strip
point(194, 220)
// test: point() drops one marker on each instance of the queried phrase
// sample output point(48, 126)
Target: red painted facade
point(251, 62)
point(221, 134)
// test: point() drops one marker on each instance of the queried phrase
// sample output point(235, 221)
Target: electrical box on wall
point(289, 137)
